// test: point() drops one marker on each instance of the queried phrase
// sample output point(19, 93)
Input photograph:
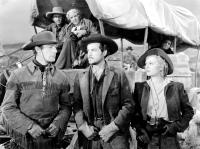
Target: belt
point(98, 118)
point(156, 121)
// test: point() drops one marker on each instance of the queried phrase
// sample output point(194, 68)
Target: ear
point(105, 53)
point(38, 49)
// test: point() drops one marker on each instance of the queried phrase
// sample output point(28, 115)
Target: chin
point(52, 60)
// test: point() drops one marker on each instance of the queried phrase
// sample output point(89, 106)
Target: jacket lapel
point(106, 83)
point(145, 100)
point(84, 87)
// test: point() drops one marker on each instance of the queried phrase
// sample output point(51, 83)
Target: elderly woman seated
point(71, 56)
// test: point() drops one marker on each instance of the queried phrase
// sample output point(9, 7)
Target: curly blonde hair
point(74, 10)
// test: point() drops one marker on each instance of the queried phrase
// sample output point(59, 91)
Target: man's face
point(95, 55)
point(49, 52)
point(167, 44)
point(74, 18)
point(57, 18)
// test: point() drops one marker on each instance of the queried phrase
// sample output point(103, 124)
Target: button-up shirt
point(27, 101)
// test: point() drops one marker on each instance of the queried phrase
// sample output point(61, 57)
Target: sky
point(14, 21)
point(15, 18)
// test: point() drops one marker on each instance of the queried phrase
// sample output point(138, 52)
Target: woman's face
point(152, 66)
point(74, 18)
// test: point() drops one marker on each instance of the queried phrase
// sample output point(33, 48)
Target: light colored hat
point(55, 10)
point(42, 38)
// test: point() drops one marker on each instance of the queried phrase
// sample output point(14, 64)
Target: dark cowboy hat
point(42, 38)
point(55, 10)
point(93, 38)
point(158, 52)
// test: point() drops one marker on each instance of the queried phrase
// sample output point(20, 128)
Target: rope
point(13, 65)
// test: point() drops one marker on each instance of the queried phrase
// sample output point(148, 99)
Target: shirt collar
point(33, 68)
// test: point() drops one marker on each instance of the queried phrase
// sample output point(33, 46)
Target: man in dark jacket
point(166, 46)
point(102, 98)
point(36, 106)
point(57, 16)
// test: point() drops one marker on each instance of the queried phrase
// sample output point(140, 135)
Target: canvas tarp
point(157, 14)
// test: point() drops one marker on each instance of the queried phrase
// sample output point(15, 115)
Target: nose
point(89, 53)
point(54, 49)
point(146, 66)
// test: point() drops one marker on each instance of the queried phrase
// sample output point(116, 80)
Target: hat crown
point(98, 38)
point(57, 10)
point(44, 36)
point(158, 52)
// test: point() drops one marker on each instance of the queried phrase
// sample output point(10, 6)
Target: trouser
point(164, 142)
point(159, 141)
point(67, 55)
point(40, 143)
point(118, 141)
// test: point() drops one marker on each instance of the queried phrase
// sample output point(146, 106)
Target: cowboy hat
point(158, 52)
point(55, 10)
point(93, 38)
point(42, 38)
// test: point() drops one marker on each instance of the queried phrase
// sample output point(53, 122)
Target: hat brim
point(158, 52)
point(50, 14)
point(31, 45)
point(112, 46)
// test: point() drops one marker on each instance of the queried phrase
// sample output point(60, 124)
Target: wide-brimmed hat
point(158, 52)
point(42, 38)
point(93, 38)
point(55, 10)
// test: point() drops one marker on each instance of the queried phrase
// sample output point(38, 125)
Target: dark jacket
point(179, 109)
point(59, 32)
point(3, 80)
point(117, 103)
point(28, 101)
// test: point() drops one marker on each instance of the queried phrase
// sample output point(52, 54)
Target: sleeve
point(65, 108)
point(186, 112)
point(3, 81)
point(91, 28)
point(128, 104)
point(78, 103)
point(49, 28)
point(14, 120)
point(137, 118)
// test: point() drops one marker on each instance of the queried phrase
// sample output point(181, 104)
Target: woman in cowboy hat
point(163, 108)
point(58, 19)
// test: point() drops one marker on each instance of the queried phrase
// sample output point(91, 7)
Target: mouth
point(147, 71)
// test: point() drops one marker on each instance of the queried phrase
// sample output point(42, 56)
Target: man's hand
point(52, 130)
point(107, 131)
point(35, 131)
point(75, 63)
point(95, 135)
point(88, 131)
point(144, 137)
point(80, 33)
point(168, 130)
point(73, 29)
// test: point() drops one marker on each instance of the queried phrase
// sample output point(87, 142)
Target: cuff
point(86, 130)
point(114, 127)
